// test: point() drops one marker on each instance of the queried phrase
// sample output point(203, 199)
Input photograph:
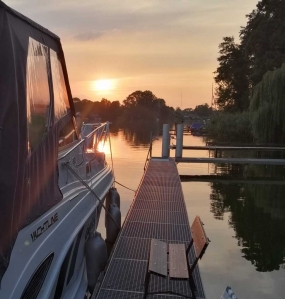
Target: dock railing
point(179, 147)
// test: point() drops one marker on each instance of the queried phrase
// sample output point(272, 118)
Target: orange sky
point(167, 46)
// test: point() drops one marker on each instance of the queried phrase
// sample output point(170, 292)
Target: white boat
point(53, 181)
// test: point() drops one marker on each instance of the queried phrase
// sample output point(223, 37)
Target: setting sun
point(103, 84)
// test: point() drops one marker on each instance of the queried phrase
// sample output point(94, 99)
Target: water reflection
point(137, 133)
point(257, 216)
point(257, 213)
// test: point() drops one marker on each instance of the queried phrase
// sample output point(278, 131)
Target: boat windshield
point(38, 93)
point(61, 104)
point(43, 68)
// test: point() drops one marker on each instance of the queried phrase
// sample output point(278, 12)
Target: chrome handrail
point(91, 134)
point(149, 154)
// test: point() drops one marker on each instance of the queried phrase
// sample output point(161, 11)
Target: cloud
point(88, 36)
point(93, 35)
point(67, 18)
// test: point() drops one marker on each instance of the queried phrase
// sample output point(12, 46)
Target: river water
point(245, 220)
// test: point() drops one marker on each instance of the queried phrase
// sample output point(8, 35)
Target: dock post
point(165, 141)
point(179, 141)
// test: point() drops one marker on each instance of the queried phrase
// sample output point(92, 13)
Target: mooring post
point(179, 141)
point(165, 141)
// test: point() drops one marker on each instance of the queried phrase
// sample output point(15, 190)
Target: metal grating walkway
point(158, 211)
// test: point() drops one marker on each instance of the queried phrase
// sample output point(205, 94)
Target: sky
point(167, 46)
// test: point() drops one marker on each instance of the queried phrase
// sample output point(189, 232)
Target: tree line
point(250, 74)
point(139, 106)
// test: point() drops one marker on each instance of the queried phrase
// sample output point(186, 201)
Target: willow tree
point(268, 107)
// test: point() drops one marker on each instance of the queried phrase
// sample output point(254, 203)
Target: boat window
point(61, 104)
point(38, 94)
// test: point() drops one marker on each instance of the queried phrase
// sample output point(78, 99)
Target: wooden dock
point(158, 211)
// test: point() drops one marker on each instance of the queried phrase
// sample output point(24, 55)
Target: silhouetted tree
point(263, 38)
point(231, 77)
point(140, 105)
point(262, 49)
point(144, 105)
point(203, 110)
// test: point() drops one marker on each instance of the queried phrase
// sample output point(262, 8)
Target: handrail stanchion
point(150, 145)
point(149, 153)
point(179, 141)
point(165, 141)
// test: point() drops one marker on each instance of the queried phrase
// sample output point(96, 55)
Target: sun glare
point(103, 147)
point(103, 85)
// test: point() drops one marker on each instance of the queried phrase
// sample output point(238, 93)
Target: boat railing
point(149, 154)
point(90, 143)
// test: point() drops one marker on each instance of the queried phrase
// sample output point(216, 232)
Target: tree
point(140, 98)
point(263, 38)
point(105, 103)
point(232, 77)
point(268, 107)
point(145, 105)
point(139, 105)
point(114, 110)
point(179, 115)
point(203, 110)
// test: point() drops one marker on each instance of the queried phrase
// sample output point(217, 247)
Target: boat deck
point(158, 211)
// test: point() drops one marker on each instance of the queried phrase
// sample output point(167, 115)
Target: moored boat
point(53, 179)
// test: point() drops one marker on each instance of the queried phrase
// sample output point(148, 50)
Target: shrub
point(231, 127)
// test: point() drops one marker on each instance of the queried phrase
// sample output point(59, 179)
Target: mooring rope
point(125, 186)
point(92, 191)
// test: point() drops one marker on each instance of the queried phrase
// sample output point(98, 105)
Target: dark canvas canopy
point(35, 106)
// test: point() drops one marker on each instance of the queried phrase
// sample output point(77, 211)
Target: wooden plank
point(177, 261)
point(158, 257)
point(199, 237)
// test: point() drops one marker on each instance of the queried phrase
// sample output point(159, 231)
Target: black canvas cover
point(32, 70)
